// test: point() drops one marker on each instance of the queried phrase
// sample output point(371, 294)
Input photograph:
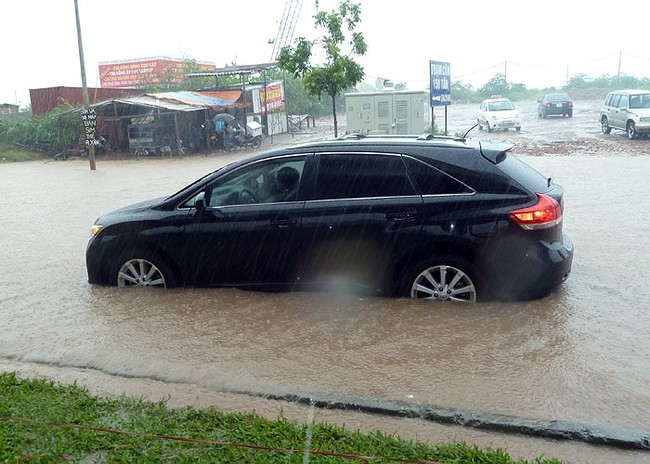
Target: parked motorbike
point(241, 139)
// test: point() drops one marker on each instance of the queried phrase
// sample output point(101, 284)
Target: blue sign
point(440, 83)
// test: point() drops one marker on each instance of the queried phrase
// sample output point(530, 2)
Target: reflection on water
point(580, 355)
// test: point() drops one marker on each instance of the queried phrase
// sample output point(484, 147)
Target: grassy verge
point(10, 153)
point(42, 422)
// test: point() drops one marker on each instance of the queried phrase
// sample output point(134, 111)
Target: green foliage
point(340, 71)
point(579, 87)
point(41, 421)
point(49, 132)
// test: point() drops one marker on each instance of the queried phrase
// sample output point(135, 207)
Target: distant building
point(46, 99)
point(7, 108)
point(145, 72)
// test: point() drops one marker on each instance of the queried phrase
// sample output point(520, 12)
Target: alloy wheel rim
point(140, 273)
point(444, 283)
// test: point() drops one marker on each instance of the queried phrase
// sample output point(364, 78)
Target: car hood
point(134, 208)
point(641, 112)
point(506, 114)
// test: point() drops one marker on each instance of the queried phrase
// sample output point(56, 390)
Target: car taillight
point(570, 104)
point(546, 213)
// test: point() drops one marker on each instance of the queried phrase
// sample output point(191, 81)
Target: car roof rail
point(352, 135)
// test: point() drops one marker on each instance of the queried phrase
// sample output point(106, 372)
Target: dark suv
point(424, 217)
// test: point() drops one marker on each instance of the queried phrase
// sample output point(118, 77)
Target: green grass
point(9, 154)
point(42, 422)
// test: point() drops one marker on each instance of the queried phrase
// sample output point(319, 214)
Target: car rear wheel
point(630, 129)
point(604, 125)
point(443, 279)
point(143, 269)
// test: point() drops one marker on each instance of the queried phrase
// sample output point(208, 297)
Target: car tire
point(570, 114)
point(142, 269)
point(630, 130)
point(141, 153)
point(487, 124)
point(544, 114)
point(480, 126)
point(604, 125)
point(444, 279)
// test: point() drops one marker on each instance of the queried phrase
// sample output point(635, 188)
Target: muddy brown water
point(582, 354)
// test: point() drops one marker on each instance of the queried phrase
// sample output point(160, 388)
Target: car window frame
point(208, 186)
point(355, 154)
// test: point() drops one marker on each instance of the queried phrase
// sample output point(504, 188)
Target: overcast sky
point(537, 43)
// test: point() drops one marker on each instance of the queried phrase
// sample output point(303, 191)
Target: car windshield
point(639, 101)
point(558, 96)
point(501, 105)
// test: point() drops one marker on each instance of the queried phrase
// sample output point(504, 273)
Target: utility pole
point(89, 125)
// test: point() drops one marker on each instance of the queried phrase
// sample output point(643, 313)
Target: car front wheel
point(143, 269)
point(630, 129)
point(604, 125)
point(442, 280)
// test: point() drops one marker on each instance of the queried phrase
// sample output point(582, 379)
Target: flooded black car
point(424, 217)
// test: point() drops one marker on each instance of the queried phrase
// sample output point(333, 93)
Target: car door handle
point(284, 223)
point(401, 217)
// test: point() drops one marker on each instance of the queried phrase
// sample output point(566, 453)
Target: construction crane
point(287, 26)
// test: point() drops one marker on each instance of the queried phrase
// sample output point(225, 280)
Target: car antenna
point(469, 130)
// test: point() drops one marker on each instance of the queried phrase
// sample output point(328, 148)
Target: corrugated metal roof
point(233, 70)
point(178, 101)
point(149, 101)
point(215, 98)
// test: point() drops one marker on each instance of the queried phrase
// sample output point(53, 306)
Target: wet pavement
point(580, 355)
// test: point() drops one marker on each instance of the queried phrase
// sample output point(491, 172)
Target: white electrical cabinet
point(390, 112)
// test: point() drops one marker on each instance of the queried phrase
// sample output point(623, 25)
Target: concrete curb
point(613, 436)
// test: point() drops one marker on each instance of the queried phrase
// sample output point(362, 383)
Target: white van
point(627, 110)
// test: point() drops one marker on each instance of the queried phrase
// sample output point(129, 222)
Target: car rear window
point(523, 173)
point(431, 181)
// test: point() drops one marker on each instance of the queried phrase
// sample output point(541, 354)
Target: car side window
point(624, 101)
point(268, 181)
point(362, 176)
point(432, 181)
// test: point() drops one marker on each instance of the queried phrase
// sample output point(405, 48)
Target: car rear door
point(363, 215)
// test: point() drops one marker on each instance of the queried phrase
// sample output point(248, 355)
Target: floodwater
point(579, 355)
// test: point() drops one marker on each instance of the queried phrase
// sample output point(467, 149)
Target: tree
point(340, 71)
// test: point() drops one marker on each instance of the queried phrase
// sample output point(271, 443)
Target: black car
point(425, 217)
point(555, 104)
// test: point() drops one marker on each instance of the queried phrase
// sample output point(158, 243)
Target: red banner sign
point(143, 73)
point(271, 99)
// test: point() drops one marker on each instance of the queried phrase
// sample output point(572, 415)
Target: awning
point(217, 98)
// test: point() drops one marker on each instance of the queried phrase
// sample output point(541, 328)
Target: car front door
point(245, 234)
point(362, 216)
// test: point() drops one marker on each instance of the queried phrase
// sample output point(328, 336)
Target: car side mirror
point(199, 203)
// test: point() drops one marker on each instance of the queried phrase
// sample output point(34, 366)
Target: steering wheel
point(246, 196)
